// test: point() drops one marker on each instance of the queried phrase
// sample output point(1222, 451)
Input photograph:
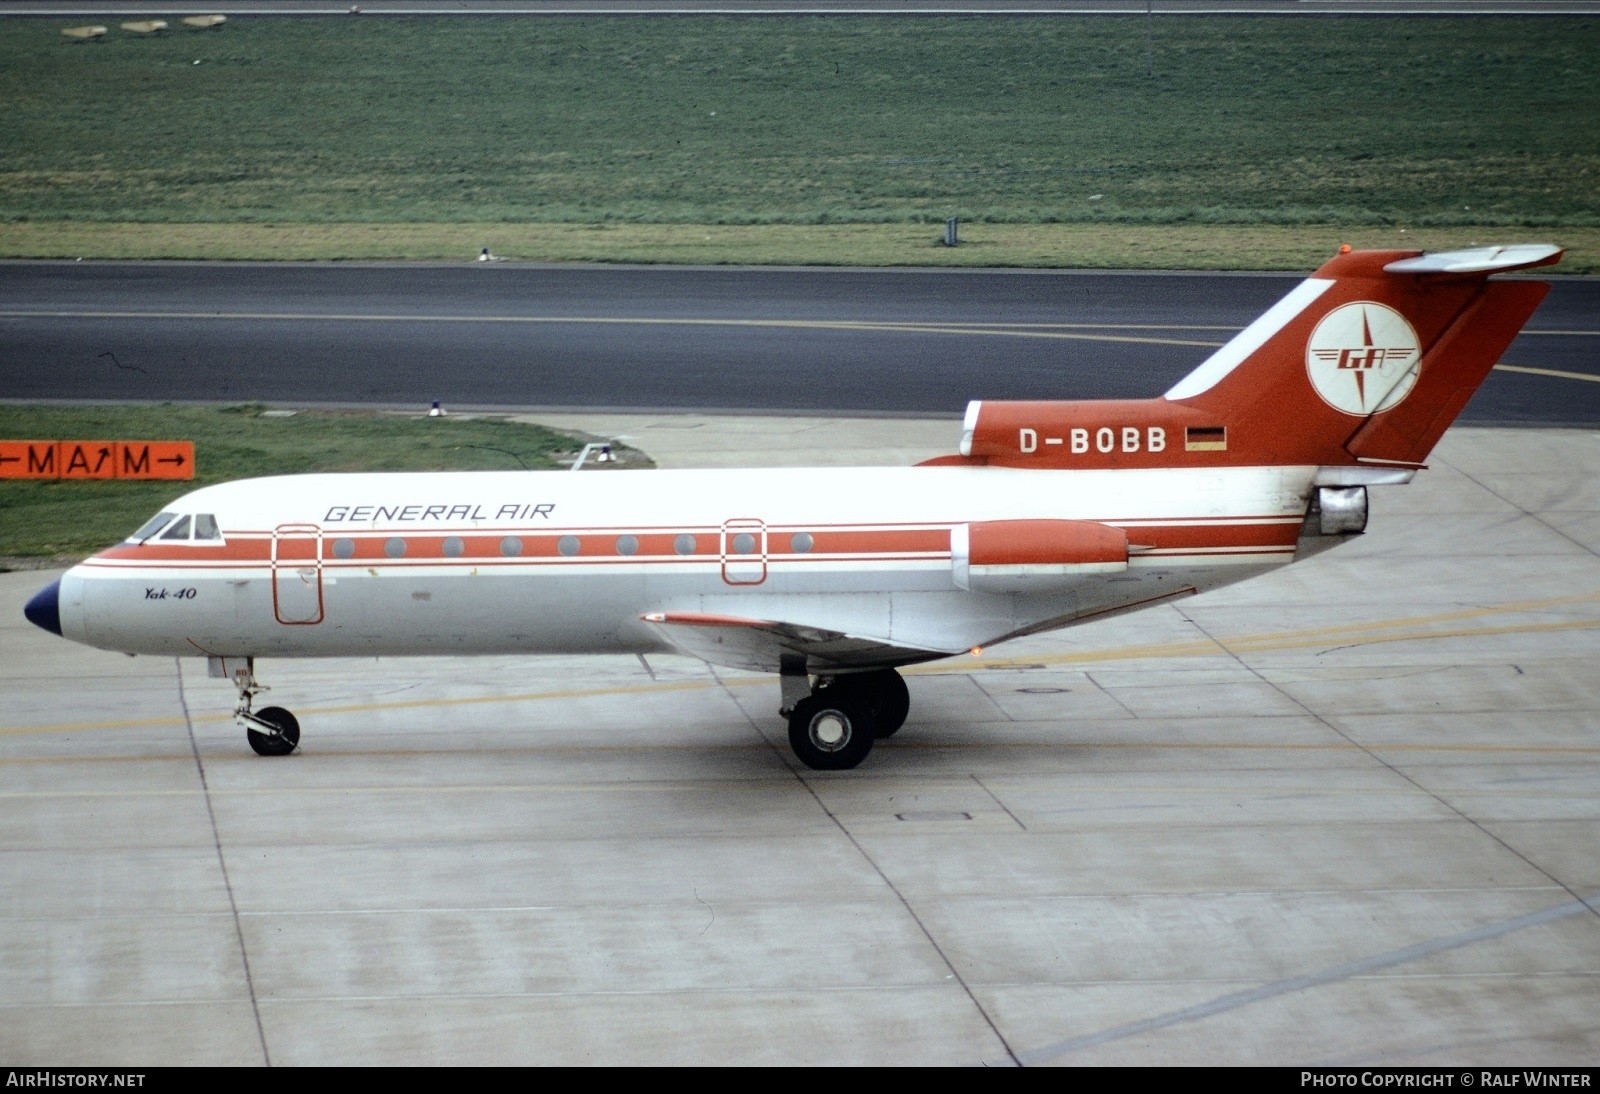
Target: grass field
point(342, 134)
point(64, 521)
point(1088, 246)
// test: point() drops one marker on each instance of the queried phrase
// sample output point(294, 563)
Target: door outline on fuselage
point(744, 567)
point(297, 586)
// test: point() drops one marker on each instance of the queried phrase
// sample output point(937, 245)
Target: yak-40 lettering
point(1051, 514)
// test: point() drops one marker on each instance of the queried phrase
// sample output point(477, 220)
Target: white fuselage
point(509, 562)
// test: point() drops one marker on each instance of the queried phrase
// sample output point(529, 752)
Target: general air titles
point(445, 513)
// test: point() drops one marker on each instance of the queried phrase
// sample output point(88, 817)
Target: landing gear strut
point(271, 731)
point(834, 727)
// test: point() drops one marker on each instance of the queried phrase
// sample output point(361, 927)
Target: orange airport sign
point(96, 459)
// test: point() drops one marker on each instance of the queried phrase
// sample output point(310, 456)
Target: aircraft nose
point(44, 610)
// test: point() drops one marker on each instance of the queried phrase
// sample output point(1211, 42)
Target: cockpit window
point(152, 526)
point(187, 528)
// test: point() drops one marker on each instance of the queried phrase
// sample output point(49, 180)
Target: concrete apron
point(1344, 814)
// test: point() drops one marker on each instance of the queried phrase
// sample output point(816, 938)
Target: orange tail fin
point(1371, 358)
point(1367, 361)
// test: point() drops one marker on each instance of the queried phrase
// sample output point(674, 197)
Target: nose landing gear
point(271, 731)
point(278, 733)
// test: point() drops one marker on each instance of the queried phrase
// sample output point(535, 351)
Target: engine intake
point(1342, 510)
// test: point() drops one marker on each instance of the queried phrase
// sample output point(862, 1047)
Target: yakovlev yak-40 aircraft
point(1053, 514)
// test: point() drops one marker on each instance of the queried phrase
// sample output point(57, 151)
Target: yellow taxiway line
point(1407, 629)
point(1558, 373)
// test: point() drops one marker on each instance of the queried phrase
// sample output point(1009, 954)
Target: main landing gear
point(834, 726)
point(271, 731)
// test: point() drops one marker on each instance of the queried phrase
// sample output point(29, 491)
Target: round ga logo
point(1362, 358)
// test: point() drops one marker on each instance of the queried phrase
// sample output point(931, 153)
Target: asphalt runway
point(898, 342)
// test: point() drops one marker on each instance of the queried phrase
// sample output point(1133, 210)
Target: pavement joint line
point(1111, 693)
point(1063, 896)
point(1201, 649)
point(953, 973)
point(1001, 714)
point(803, 781)
point(1383, 761)
point(996, 799)
point(222, 862)
point(1448, 798)
point(785, 992)
point(1282, 640)
point(1057, 746)
point(1538, 518)
point(284, 999)
point(1331, 975)
point(764, 786)
point(1438, 617)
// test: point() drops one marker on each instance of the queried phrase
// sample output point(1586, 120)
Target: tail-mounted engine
point(1340, 510)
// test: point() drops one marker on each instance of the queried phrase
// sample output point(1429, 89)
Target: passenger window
point(205, 527)
point(179, 530)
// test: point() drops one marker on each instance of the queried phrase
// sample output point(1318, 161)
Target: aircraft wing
point(767, 645)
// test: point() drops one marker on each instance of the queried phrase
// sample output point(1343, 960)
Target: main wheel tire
point(285, 741)
point(831, 732)
point(884, 691)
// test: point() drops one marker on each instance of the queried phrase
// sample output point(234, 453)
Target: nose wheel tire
point(285, 738)
point(831, 733)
